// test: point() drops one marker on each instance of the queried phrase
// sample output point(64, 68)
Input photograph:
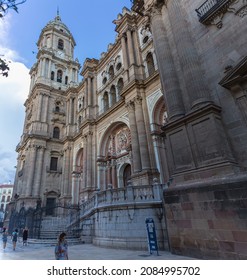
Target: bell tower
point(41, 167)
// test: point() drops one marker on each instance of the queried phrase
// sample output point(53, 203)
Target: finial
point(58, 14)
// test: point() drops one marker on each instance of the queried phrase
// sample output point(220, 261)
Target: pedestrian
point(61, 248)
point(4, 237)
point(14, 238)
point(25, 236)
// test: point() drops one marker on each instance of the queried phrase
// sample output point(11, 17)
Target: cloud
point(13, 93)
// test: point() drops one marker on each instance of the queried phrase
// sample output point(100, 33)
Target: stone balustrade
point(114, 197)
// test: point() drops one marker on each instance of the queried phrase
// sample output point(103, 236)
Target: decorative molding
point(235, 75)
point(211, 12)
point(239, 8)
point(152, 100)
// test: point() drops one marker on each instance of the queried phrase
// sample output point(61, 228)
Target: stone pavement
point(81, 252)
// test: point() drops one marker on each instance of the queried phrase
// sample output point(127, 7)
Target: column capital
point(138, 100)
point(154, 9)
point(130, 105)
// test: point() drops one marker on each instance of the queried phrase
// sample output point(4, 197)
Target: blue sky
point(91, 25)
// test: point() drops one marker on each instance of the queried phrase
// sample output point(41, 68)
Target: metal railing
point(208, 5)
point(205, 7)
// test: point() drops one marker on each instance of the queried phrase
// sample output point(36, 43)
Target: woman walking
point(61, 249)
point(14, 238)
point(25, 236)
point(4, 238)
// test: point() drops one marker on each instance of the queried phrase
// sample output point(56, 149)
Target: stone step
point(52, 242)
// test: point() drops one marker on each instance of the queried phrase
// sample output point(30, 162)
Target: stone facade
point(203, 79)
point(6, 191)
point(166, 104)
point(208, 222)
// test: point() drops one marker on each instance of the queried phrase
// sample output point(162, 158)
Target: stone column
point(67, 171)
point(136, 47)
point(95, 100)
point(74, 109)
point(89, 159)
point(188, 56)
point(49, 70)
point(70, 110)
point(45, 112)
point(168, 74)
point(125, 54)
point(142, 134)
point(43, 68)
point(67, 112)
point(114, 175)
point(85, 142)
point(39, 169)
point(31, 170)
point(75, 188)
point(40, 68)
point(89, 91)
point(100, 175)
point(86, 93)
point(39, 109)
point(109, 177)
point(134, 137)
point(130, 47)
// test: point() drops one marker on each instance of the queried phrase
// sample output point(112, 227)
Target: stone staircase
point(51, 229)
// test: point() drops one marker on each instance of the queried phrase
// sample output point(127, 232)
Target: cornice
point(236, 75)
point(213, 12)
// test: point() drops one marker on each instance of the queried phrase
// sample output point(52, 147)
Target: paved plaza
point(81, 252)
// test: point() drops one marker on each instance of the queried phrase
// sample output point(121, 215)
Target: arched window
point(111, 72)
point(113, 95)
point(106, 101)
point(119, 65)
point(145, 39)
point(57, 109)
point(56, 132)
point(120, 85)
point(53, 163)
point(66, 80)
point(8, 199)
point(150, 64)
point(60, 45)
point(104, 81)
point(52, 75)
point(59, 76)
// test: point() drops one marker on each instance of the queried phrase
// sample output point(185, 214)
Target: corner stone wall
point(125, 227)
point(208, 222)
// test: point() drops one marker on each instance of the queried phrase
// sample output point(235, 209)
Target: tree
point(5, 6)
point(4, 68)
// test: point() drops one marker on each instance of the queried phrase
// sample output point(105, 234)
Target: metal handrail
point(207, 6)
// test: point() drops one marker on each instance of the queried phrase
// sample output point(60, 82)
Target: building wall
point(208, 222)
point(6, 192)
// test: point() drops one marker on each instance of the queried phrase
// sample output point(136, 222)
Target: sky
point(90, 22)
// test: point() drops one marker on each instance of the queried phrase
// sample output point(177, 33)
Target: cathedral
point(155, 129)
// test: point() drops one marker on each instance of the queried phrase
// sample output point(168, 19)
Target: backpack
point(14, 236)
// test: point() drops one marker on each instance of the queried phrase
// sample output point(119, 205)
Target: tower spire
point(58, 14)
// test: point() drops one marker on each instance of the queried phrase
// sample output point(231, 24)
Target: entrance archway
point(126, 174)
point(114, 151)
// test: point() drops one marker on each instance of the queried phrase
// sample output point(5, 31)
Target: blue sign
point(152, 239)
